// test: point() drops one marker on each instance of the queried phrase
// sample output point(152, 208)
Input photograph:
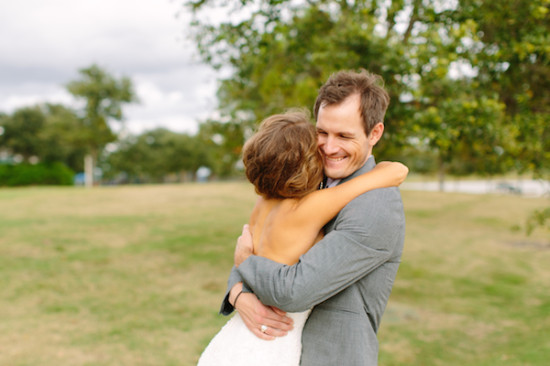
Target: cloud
point(45, 43)
point(178, 105)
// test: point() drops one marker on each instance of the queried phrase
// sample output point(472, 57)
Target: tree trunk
point(88, 171)
point(441, 175)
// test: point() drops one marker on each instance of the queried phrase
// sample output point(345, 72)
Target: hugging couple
point(315, 265)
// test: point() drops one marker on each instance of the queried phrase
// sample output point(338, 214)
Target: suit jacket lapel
point(368, 166)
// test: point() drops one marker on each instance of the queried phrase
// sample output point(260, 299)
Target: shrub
point(38, 174)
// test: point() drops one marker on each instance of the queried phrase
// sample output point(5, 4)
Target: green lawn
point(134, 276)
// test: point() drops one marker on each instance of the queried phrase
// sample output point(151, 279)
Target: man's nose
point(330, 146)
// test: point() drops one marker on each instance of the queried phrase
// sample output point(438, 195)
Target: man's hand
point(244, 247)
point(255, 315)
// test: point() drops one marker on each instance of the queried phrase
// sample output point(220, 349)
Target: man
point(347, 277)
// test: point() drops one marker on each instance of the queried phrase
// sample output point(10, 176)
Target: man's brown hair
point(374, 99)
point(281, 160)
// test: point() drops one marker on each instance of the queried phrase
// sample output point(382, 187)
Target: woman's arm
point(321, 206)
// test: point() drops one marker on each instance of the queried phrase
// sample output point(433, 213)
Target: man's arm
point(366, 235)
point(243, 250)
point(234, 280)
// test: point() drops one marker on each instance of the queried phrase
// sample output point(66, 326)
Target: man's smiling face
point(341, 138)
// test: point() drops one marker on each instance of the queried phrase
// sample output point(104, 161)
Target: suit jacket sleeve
point(234, 278)
point(366, 233)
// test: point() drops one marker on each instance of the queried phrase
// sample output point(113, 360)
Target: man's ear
point(376, 133)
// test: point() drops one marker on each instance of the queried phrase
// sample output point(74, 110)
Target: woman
point(283, 163)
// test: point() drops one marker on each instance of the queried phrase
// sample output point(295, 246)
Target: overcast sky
point(43, 44)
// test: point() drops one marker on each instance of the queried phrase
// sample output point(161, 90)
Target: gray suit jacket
point(346, 278)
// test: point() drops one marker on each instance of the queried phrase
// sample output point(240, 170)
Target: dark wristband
point(236, 298)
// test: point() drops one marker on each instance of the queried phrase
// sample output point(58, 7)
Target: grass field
point(135, 275)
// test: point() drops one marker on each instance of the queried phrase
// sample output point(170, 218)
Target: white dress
point(235, 345)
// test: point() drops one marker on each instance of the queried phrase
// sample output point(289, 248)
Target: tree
point(512, 60)
point(104, 96)
point(440, 60)
point(62, 137)
point(187, 155)
point(44, 133)
point(281, 53)
point(154, 155)
point(4, 119)
point(223, 142)
point(21, 130)
point(40, 143)
point(511, 57)
point(464, 130)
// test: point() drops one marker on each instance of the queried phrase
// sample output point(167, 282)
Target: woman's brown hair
point(281, 160)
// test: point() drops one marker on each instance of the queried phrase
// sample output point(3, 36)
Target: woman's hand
point(245, 246)
point(394, 171)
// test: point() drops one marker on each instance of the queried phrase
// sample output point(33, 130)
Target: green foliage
point(37, 174)
point(512, 58)
point(280, 55)
point(531, 143)
point(466, 132)
point(153, 155)
point(513, 54)
point(47, 133)
point(104, 96)
point(431, 55)
point(20, 131)
point(538, 218)
point(223, 143)
point(63, 137)
point(54, 133)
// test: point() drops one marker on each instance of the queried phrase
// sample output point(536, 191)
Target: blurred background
point(152, 92)
point(168, 91)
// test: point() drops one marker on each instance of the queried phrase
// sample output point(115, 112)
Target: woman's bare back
point(275, 233)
